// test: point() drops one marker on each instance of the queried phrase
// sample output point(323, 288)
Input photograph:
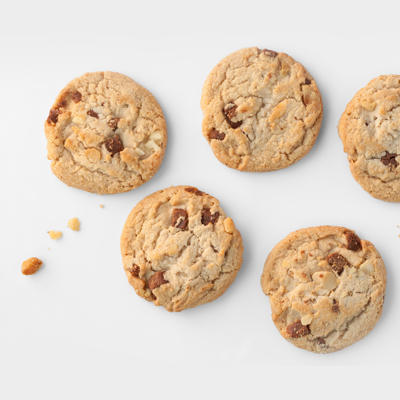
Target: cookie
point(326, 288)
point(105, 134)
point(179, 249)
point(369, 129)
point(262, 110)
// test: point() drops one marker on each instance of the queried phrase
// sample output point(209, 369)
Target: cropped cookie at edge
point(370, 131)
point(105, 134)
point(262, 110)
point(179, 249)
point(326, 288)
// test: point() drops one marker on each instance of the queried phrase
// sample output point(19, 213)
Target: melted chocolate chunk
point(270, 53)
point(114, 145)
point(337, 262)
point(335, 306)
point(76, 97)
point(179, 218)
point(157, 280)
point(194, 190)
point(93, 114)
point(135, 270)
point(389, 159)
point(229, 114)
point(62, 104)
point(353, 241)
point(113, 123)
point(207, 217)
point(308, 82)
point(297, 329)
point(53, 116)
point(321, 342)
point(214, 134)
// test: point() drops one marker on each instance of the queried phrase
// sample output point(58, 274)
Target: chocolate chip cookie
point(262, 110)
point(370, 131)
point(179, 249)
point(105, 134)
point(326, 288)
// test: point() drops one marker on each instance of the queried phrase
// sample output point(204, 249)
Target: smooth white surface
point(77, 329)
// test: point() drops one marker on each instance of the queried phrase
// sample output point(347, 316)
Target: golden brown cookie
point(326, 288)
point(262, 110)
point(105, 134)
point(370, 132)
point(179, 249)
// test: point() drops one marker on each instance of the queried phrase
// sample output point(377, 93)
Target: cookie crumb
point(31, 265)
point(74, 224)
point(101, 206)
point(54, 235)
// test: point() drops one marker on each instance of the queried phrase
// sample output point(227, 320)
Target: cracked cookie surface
point(105, 134)
point(179, 249)
point(370, 131)
point(262, 110)
point(326, 288)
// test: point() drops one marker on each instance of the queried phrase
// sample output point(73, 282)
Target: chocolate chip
point(335, 306)
point(337, 262)
point(93, 114)
point(76, 97)
point(114, 145)
point(113, 123)
point(157, 280)
point(229, 114)
point(390, 159)
point(308, 82)
point(321, 342)
point(214, 134)
point(297, 329)
point(53, 116)
point(270, 53)
point(207, 217)
point(135, 270)
point(61, 104)
point(353, 241)
point(179, 218)
point(194, 190)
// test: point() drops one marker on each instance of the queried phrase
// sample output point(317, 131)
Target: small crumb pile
point(74, 224)
point(55, 234)
point(31, 265)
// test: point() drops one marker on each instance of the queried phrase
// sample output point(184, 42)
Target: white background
point(76, 329)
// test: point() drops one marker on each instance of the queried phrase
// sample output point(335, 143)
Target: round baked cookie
point(326, 288)
point(262, 110)
point(105, 134)
point(370, 131)
point(179, 249)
